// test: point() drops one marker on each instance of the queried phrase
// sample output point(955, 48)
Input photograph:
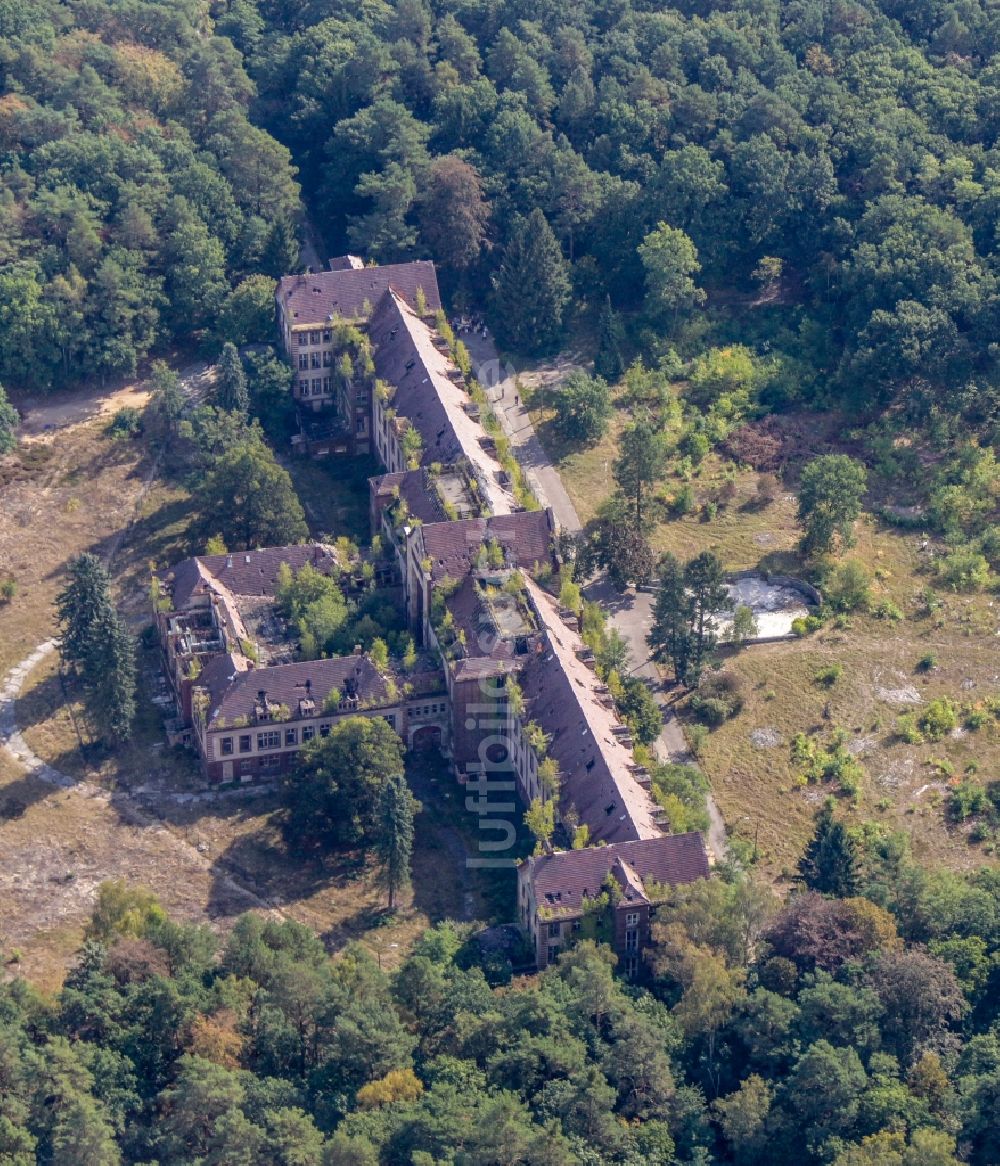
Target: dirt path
point(13, 743)
point(43, 417)
point(501, 386)
point(46, 421)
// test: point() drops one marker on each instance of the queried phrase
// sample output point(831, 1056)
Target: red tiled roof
point(562, 880)
point(234, 694)
point(453, 546)
point(247, 572)
point(595, 766)
point(420, 496)
point(312, 298)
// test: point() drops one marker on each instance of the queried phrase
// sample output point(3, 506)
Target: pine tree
point(830, 862)
point(532, 286)
point(608, 362)
point(281, 254)
point(670, 634)
point(109, 678)
point(84, 600)
point(394, 843)
point(232, 392)
point(704, 579)
point(642, 460)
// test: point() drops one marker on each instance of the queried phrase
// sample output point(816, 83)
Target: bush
point(829, 675)
point(907, 729)
point(125, 423)
point(696, 737)
point(964, 570)
point(8, 589)
point(975, 719)
point(805, 625)
point(927, 663)
point(710, 711)
point(989, 545)
point(695, 445)
point(938, 719)
point(718, 697)
point(683, 501)
point(967, 799)
point(847, 589)
point(887, 610)
point(757, 444)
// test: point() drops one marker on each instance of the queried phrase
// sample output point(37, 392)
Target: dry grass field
point(749, 759)
point(73, 489)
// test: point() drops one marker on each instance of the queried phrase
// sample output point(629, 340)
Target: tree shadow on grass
point(19, 795)
point(261, 862)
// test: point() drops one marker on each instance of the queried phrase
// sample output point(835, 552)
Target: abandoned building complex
point(501, 681)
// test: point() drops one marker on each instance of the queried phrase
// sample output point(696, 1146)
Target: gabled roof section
point(564, 879)
point(428, 394)
point(316, 297)
point(452, 547)
point(234, 692)
point(585, 736)
point(411, 487)
point(246, 572)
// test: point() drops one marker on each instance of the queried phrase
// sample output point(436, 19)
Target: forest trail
point(43, 417)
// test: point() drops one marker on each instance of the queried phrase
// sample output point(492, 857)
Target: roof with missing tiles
point(564, 879)
point(452, 547)
point(429, 392)
point(352, 292)
point(245, 572)
point(233, 692)
point(564, 696)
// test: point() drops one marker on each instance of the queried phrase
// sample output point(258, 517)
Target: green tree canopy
point(334, 794)
point(249, 499)
point(830, 495)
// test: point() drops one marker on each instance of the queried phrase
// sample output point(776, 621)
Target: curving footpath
point(17, 748)
point(14, 744)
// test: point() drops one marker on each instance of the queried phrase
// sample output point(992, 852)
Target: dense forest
point(845, 153)
point(741, 207)
point(839, 159)
point(136, 190)
point(852, 1031)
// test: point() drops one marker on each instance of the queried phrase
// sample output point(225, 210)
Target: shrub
point(847, 589)
point(696, 737)
point(964, 570)
point(907, 729)
point(829, 675)
point(719, 697)
point(887, 610)
point(967, 799)
point(927, 663)
point(683, 501)
point(989, 545)
point(710, 710)
point(804, 625)
point(938, 719)
point(125, 423)
point(756, 444)
point(8, 589)
point(976, 718)
point(694, 445)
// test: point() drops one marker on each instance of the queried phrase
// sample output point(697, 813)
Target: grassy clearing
point(208, 861)
point(756, 784)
